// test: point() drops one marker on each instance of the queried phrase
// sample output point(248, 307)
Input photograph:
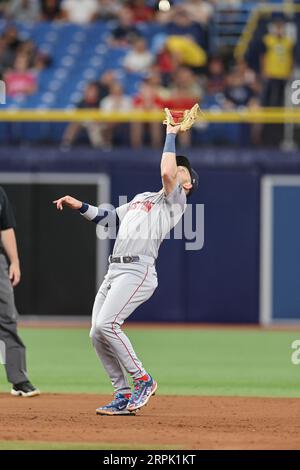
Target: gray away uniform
point(144, 223)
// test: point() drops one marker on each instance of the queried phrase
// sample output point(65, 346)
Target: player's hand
point(14, 273)
point(173, 129)
point(68, 201)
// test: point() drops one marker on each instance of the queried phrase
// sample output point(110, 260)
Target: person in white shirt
point(139, 58)
point(80, 11)
point(116, 100)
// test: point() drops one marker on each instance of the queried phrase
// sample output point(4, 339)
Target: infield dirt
point(184, 422)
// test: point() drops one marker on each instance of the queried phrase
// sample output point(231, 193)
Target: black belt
point(123, 259)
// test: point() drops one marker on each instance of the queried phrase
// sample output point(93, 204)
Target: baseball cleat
point(116, 407)
point(24, 389)
point(143, 391)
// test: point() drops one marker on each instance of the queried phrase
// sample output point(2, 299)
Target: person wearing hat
point(131, 279)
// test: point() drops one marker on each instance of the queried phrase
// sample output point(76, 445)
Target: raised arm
point(99, 216)
point(168, 166)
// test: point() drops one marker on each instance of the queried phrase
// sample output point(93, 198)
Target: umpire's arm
point(8, 238)
point(9, 243)
point(168, 166)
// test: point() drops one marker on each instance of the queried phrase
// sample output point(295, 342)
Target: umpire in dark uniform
point(10, 275)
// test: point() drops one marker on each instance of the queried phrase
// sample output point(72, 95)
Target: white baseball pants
point(125, 287)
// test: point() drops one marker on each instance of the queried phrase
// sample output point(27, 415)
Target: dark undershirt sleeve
point(7, 218)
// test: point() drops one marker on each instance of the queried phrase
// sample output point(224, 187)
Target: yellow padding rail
point(260, 115)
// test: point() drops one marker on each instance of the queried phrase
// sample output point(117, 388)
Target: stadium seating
point(80, 55)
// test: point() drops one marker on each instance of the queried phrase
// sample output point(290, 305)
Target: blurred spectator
point(105, 81)
point(186, 52)
point(20, 81)
point(185, 92)
point(125, 31)
point(108, 9)
point(41, 61)
point(91, 96)
point(141, 11)
point(116, 100)
point(182, 24)
point(237, 92)
point(7, 56)
point(11, 38)
point(277, 64)
point(90, 100)
point(79, 11)
point(167, 64)
point(200, 10)
point(29, 49)
point(154, 78)
point(249, 76)
point(148, 98)
point(216, 78)
point(50, 10)
point(139, 58)
point(23, 10)
point(11, 47)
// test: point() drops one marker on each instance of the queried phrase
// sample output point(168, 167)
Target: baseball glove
point(186, 118)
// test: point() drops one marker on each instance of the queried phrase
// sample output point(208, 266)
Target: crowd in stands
point(20, 63)
point(177, 70)
point(86, 11)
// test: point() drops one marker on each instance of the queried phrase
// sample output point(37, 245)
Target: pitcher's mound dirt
point(186, 422)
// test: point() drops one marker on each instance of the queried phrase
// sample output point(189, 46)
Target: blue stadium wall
point(218, 284)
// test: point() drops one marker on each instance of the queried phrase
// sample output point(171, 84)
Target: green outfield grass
point(25, 445)
point(184, 362)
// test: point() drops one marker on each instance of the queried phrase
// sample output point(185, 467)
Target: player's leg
point(15, 365)
point(103, 349)
point(130, 287)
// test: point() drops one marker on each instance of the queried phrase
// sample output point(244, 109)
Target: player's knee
point(96, 335)
point(91, 333)
point(102, 328)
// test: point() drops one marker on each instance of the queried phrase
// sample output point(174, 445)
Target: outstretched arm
point(168, 166)
point(104, 217)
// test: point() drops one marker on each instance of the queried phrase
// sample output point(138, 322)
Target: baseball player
point(131, 278)
point(10, 274)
